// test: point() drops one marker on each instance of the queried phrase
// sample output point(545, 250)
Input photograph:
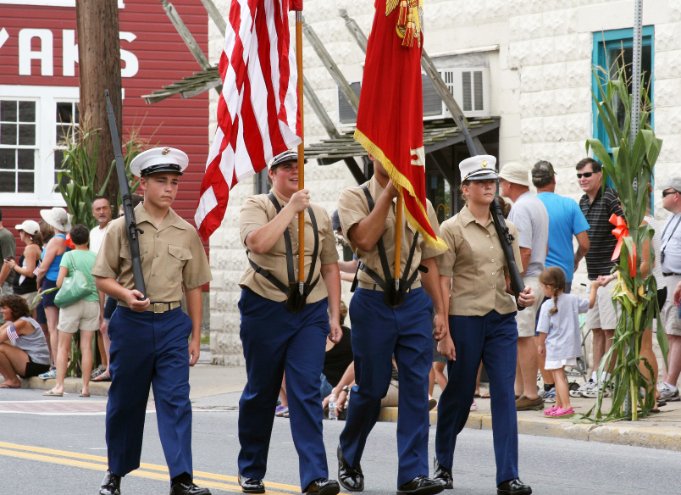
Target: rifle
point(126, 199)
point(506, 240)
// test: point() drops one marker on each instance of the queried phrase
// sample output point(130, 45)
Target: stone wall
point(539, 55)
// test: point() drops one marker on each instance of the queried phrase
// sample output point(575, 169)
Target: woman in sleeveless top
point(25, 280)
point(48, 271)
point(23, 348)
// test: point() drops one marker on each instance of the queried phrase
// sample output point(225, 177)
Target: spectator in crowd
point(560, 340)
point(101, 211)
point(670, 261)
point(7, 251)
point(80, 316)
point(23, 347)
point(529, 216)
point(598, 203)
point(25, 280)
point(566, 221)
point(47, 274)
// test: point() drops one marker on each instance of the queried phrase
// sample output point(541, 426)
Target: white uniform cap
point(517, 173)
point(478, 167)
point(673, 183)
point(157, 160)
point(286, 156)
point(31, 227)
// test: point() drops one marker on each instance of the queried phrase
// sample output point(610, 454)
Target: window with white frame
point(18, 146)
point(34, 121)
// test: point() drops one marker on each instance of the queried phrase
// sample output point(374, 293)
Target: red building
point(39, 94)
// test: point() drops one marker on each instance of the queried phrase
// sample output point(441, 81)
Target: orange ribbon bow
point(620, 232)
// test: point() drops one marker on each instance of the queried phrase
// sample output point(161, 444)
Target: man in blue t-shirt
point(565, 221)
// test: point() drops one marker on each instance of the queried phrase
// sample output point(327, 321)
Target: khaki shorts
point(527, 318)
point(83, 315)
point(669, 314)
point(603, 315)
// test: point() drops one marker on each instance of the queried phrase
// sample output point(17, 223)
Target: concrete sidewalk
point(216, 387)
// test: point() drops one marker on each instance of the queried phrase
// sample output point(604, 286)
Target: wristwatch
point(346, 389)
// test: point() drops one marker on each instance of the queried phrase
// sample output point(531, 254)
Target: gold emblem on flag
point(408, 20)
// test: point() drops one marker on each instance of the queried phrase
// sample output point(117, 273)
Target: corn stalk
point(629, 165)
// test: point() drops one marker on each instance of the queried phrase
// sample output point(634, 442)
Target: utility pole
point(100, 68)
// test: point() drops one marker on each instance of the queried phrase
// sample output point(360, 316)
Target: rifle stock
point(126, 199)
point(506, 240)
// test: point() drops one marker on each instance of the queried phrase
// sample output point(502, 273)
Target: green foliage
point(77, 178)
point(630, 167)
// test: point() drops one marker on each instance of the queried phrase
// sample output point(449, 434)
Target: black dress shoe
point(251, 485)
point(322, 486)
point(513, 487)
point(350, 478)
point(421, 485)
point(443, 475)
point(182, 488)
point(111, 484)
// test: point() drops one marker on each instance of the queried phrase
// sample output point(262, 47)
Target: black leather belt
point(671, 274)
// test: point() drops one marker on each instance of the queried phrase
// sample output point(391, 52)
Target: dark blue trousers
point(276, 340)
point(149, 349)
point(378, 332)
point(493, 339)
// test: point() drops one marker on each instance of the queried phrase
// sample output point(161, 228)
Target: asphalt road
point(56, 447)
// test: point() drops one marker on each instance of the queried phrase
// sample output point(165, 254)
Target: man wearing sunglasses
point(598, 204)
point(670, 262)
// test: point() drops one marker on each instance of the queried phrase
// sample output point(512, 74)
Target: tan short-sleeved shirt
point(476, 263)
point(172, 256)
point(353, 208)
point(258, 211)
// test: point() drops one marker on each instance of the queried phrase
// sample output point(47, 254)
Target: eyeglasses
point(585, 175)
point(668, 192)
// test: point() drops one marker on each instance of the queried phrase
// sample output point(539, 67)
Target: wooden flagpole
point(301, 150)
point(398, 238)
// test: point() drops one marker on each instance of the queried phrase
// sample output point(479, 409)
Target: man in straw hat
point(149, 332)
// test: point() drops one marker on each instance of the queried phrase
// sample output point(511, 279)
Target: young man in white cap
point(482, 326)
point(149, 332)
point(529, 216)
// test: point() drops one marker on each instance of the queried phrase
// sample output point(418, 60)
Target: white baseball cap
point(31, 227)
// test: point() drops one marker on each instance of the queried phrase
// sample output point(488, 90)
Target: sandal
point(548, 412)
point(562, 413)
point(102, 377)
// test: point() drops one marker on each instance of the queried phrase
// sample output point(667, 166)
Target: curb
point(649, 435)
point(71, 386)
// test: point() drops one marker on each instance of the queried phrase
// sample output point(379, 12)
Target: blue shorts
point(48, 299)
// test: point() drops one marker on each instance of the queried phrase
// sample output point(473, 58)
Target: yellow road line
point(146, 470)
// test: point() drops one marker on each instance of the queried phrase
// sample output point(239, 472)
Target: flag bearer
point(284, 331)
point(386, 324)
point(153, 342)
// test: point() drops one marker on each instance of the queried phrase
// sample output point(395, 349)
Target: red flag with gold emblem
point(390, 115)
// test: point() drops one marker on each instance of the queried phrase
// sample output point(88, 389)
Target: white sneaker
point(667, 393)
point(583, 388)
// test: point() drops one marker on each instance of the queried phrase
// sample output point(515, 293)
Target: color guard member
point(387, 324)
point(482, 326)
point(153, 342)
point(282, 331)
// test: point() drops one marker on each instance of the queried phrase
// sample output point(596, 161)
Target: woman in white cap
point(482, 326)
point(47, 274)
point(25, 279)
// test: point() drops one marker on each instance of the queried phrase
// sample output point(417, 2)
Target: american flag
point(258, 107)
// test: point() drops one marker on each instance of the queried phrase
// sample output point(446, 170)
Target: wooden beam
point(319, 109)
point(331, 66)
point(215, 15)
point(186, 34)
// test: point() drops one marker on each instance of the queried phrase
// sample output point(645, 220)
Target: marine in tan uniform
point(284, 331)
point(153, 342)
point(386, 324)
point(482, 326)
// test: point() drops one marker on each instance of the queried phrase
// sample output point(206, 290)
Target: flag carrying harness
point(295, 301)
point(393, 295)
